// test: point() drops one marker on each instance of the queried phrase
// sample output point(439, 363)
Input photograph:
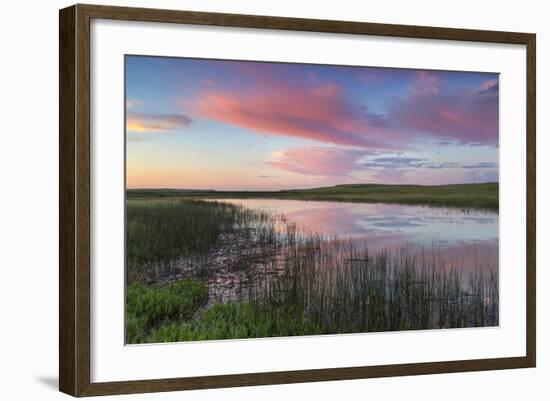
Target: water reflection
point(459, 238)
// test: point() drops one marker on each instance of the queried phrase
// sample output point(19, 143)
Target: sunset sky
point(211, 124)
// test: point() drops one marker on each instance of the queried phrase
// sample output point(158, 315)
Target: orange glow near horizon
point(238, 125)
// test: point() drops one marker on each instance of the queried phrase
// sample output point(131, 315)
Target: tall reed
point(293, 281)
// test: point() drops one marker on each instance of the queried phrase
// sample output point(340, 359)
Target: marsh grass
point(310, 284)
point(345, 290)
point(160, 231)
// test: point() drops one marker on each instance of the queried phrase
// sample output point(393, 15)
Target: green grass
point(483, 196)
point(375, 295)
point(161, 230)
point(317, 285)
point(236, 320)
point(151, 307)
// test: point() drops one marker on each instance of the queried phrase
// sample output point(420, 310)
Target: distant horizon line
point(304, 188)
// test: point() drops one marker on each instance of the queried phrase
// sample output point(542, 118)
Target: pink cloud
point(132, 102)
point(318, 161)
point(145, 122)
point(321, 112)
point(316, 112)
point(347, 165)
point(466, 117)
point(426, 83)
point(490, 83)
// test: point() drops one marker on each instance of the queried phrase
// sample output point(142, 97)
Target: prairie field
point(484, 195)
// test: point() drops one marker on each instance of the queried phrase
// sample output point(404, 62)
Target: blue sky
point(196, 123)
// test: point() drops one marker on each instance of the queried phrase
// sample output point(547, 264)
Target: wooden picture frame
point(74, 199)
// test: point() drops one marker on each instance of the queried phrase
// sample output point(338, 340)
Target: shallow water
point(465, 239)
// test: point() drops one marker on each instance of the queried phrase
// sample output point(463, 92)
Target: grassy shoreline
point(481, 196)
point(309, 285)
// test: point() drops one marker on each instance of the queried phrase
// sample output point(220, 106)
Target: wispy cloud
point(132, 102)
point(399, 162)
point(483, 176)
point(146, 122)
point(318, 112)
point(321, 111)
point(318, 161)
point(480, 165)
point(489, 86)
point(343, 162)
point(394, 162)
point(465, 116)
point(329, 124)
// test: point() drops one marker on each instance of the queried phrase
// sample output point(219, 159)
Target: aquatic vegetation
point(284, 281)
point(157, 231)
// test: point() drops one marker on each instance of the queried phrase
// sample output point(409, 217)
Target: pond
point(466, 239)
point(313, 267)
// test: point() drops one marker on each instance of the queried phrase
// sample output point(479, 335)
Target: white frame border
point(112, 361)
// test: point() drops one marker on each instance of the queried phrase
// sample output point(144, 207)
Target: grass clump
point(237, 320)
point(160, 231)
point(150, 307)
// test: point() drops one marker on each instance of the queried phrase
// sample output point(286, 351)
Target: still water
point(465, 239)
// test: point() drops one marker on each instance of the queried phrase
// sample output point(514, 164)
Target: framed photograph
point(250, 200)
